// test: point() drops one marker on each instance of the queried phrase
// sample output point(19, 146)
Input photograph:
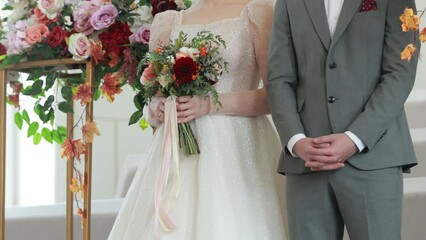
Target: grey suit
point(356, 81)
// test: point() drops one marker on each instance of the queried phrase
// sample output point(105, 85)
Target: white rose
point(192, 52)
point(79, 46)
point(164, 81)
point(171, 59)
point(50, 7)
point(145, 16)
point(180, 4)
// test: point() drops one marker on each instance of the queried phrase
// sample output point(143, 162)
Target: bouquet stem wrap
point(168, 183)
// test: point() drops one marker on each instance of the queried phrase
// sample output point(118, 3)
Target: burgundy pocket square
point(368, 5)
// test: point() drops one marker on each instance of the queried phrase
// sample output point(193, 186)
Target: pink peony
point(142, 35)
point(104, 17)
point(36, 33)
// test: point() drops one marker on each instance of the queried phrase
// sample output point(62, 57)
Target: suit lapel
point(316, 10)
point(349, 9)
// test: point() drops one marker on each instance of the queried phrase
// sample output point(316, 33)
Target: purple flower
point(142, 34)
point(82, 15)
point(104, 17)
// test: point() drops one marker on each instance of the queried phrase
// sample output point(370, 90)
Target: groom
point(336, 88)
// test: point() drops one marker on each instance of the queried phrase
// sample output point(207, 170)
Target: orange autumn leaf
point(423, 35)
point(15, 100)
point(74, 186)
point(408, 52)
point(114, 60)
point(80, 148)
point(68, 149)
point(110, 86)
point(410, 21)
point(97, 51)
point(89, 130)
point(72, 149)
point(84, 94)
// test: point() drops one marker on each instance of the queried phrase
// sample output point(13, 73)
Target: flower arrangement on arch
point(411, 22)
point(113, 34)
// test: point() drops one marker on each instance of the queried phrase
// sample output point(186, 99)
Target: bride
point(230, 191)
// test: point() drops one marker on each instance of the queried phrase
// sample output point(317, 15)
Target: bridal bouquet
point(181, 68)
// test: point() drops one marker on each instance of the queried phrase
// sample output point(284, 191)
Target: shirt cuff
point(358, 142)
point(293, 140)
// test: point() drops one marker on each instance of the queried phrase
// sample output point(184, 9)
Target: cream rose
point(79, 46)
point(50, 7)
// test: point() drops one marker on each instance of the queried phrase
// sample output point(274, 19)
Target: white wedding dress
point(231, 190)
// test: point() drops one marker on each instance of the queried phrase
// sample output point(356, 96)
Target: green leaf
point(37, 138)
point(47, 135)
point(65, 107)
point(50, 80)
point(35, 74)
point(11, 59)
point(32, 129)
point(35, 89)
point(62, 133)
point(7, 7)
point(96, 94)
point(143, 123)
point(139, 102)
point(26, 117)
point(66, 93)
point(48, 103)
point(56, 137)
point(135, 117)
point(76, 80)
point(18, 120)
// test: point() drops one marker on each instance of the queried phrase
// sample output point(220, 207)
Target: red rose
point(56, 37)
point(3, 49)
point(162, 5)
point(115, 38)
point(185, 70)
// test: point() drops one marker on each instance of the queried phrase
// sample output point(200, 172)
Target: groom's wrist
point(293, 140)
point(358, 142)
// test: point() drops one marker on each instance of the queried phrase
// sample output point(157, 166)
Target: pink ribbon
point(168, 182)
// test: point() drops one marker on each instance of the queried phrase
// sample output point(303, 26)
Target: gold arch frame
point(90, 75)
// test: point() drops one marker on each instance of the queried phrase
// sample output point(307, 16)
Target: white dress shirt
point(332, 9)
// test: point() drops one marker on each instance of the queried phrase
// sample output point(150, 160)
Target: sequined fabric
point(231, 190)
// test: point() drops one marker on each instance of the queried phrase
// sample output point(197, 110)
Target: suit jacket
point(356, 81)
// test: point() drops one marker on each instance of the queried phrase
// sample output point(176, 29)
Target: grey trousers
point(368, 203)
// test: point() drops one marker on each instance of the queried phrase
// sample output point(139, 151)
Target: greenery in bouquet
point(182, 68)
point(112, 34)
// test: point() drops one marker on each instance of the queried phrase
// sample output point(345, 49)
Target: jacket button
point(331, 99)
point(332, 65)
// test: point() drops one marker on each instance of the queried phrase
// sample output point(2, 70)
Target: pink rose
point(148, 74)
point(79, 46)
point(142, 35)
point(104, 17)
point(82, 15)
point(36, 33)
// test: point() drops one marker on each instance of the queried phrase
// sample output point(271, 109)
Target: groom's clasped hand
point(326, 152)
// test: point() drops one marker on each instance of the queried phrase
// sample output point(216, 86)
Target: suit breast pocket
point(366, 15)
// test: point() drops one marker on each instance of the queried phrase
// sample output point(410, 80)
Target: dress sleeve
point(161, 28)
point(252, 102)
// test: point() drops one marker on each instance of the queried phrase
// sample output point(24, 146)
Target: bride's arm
point(243, 103)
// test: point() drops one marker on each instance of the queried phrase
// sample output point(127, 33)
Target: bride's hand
point(192, 107)
point(156, 108)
